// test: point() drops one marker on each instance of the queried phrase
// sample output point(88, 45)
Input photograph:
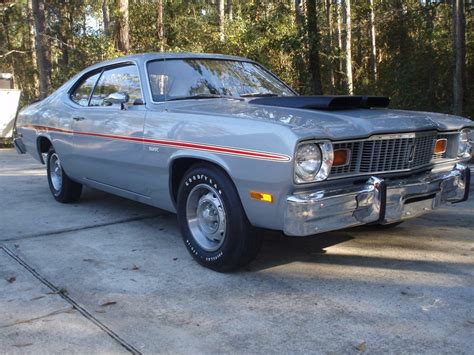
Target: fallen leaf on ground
point(42, 318)
point(109, 303)
point(22, 345)
point(361, 347)
point(37, 298)
point(411, 294)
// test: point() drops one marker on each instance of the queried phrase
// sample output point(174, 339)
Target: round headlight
point(308, 161)
point(464, 147)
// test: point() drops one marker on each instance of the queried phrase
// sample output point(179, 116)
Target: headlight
point(313, 162)
point(465, 143)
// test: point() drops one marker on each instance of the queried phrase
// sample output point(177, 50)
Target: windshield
point(207, 78)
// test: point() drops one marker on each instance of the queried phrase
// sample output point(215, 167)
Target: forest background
point(420, 53)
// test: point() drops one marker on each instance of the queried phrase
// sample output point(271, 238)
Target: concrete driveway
point(111, 275)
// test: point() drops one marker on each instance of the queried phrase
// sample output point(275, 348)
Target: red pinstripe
point(173, 143)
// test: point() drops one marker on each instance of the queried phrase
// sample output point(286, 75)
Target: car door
point(74, 104)
point(107, 141)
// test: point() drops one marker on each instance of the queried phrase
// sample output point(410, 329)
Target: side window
point(81, 93)
point(120, 79)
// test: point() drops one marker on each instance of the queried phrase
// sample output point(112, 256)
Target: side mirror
point(117, 98)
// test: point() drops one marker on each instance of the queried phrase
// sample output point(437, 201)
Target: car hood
point(340, 124)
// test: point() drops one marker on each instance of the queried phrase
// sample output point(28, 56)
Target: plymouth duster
point(231, 148)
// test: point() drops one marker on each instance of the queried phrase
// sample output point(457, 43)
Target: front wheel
point(213, 223)
point(388, 226)
point(64, 190)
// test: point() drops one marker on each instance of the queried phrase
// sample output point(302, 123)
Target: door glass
point(82, 92)
point(121, 79)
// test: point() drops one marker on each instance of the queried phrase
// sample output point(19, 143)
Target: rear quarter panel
point(36, 121)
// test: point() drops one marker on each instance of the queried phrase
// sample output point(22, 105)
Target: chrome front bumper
point(377, 201)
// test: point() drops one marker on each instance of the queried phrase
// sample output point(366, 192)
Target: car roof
point(144, 57)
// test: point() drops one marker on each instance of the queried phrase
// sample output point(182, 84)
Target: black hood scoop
point(323, 102)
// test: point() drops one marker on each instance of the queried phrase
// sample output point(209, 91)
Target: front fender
point(209, 157)
point(194, 155)
point(249, 175)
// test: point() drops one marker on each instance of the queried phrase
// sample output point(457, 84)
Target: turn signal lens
point(261, 196)
point(440, 146)
point(341, 157)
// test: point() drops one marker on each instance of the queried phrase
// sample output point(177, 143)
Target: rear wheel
point(62, 187)
point(213, 223)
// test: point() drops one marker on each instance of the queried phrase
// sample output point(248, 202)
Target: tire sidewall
point(231, 246)
point(56, 193)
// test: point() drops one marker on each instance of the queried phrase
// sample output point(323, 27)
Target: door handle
point(78, 118)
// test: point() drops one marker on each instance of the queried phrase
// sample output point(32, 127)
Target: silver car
point(230, 148)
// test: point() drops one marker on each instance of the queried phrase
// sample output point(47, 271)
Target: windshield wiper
point(256, 94)
point(203, 96)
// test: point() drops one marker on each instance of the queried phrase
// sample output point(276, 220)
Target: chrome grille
point(387, 153)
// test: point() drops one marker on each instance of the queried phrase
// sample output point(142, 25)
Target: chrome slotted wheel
point(206, 217)
point(55, 172)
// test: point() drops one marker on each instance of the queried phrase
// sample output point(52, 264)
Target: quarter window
point(119, 79)
point(82, 92)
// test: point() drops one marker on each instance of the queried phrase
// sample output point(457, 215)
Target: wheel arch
point(43, 144)
point(179, 165)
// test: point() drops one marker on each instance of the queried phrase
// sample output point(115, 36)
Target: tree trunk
point(63, 37)
point(330, 34)
point(459, 33)
point(313, 46)
point(299, 62)
point(230, 10)
point(31, 27)
point(123, 42)
point(106, 17)
point(7, 44)
point(159, 25)
point(373, 52)
point(346, 5)
point(42, 48)
point(299, 15)
point(403, 30)
point(341, 47)
point(220, 18)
